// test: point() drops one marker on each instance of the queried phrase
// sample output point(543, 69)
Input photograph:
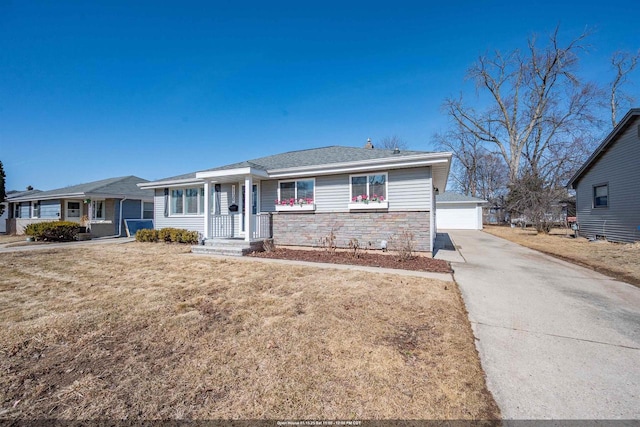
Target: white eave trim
point(172, 183)
point(479, 202)
point(232, 172)
point(81, 196)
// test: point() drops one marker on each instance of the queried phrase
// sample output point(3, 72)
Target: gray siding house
point(299, 197)
point(101, 205)
point(608, 185)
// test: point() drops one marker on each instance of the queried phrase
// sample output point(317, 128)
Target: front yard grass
point(149, 331)
point(619, 260)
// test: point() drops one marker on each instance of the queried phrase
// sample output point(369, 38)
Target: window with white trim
point(73, 209)
point(147, 210)
point(369, 188)
point(98, 210)
point(35, 209)
point(601, 196)
point(187, 201)
point(299, 191)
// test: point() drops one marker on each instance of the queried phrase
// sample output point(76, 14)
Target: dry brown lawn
point(619, 260)
point(149, 331)
point(4, 238)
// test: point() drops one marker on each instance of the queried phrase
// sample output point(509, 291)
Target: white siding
point(268, 195)
point(617, 167)
point(332, 193)
point(189, 222)
point(409, 189)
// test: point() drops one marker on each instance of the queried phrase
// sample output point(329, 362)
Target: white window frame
point(296, 206)
point(142, 202)
point(200, 201)
point(94, 218)
point(66, 211)
point(35, 209)
point(16, 210)
point(369, 205)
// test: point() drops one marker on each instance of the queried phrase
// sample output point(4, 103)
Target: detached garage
point(458, 212)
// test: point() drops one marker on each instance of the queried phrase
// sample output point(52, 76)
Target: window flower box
point(369, 205)
point(293, 205)
point(296, 208)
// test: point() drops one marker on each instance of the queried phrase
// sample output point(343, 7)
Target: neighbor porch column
point(207, 209)
point(248, 204)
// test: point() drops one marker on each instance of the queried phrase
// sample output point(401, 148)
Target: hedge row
point(171, 235)
point(59, 231)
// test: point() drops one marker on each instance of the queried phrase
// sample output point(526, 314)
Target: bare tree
point(392, 142)
point(475, 171)
point(537, 104)
point(623, 63)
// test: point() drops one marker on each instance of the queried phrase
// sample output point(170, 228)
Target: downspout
point(120, 220)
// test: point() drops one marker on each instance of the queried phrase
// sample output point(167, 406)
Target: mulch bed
point(416, 263)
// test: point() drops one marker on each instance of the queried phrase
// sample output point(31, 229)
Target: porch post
point(207, 209)
point(248, 204)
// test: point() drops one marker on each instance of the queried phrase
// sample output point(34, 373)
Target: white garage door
point(459, 216)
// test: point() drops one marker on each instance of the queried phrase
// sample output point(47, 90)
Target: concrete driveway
point(556, 340)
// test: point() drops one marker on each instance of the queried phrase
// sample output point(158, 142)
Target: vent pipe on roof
point(368, 145)
point(396, 150)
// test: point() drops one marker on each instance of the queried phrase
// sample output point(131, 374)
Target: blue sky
point(91, 90)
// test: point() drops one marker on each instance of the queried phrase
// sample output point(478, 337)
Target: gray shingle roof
point(120, 186)
point(449, 197)
point(311, 157)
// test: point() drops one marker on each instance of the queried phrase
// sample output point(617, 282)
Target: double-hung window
point(147, 210)
point(97, 210)
point(35, 210)
point(300, 192)
point(370, 190)
point(187, 201)
point(601, 196)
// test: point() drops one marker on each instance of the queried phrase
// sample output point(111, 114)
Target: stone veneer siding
point(301, 229)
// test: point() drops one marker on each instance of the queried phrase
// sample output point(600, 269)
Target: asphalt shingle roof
point(311, 157)
point(456, 197)
point(120, 186)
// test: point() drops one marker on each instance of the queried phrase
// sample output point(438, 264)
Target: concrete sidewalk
point(64, 245)
point(556, 340)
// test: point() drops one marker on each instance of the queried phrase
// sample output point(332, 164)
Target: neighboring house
point(300, 197)
point(608, 185)
point(5, 215)
point(459, 212)
point(103, 203)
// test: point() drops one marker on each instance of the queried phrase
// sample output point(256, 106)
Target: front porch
point(233, 226)
point(227, 234)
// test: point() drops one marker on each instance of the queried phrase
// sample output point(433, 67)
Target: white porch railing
point(230, 226)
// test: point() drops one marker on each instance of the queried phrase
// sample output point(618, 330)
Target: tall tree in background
point(3, 193)
point(537, 108)
point(623, 63)
point(475, 171)
point(392, 142)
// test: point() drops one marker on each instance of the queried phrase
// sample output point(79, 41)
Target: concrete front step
point(228, 247)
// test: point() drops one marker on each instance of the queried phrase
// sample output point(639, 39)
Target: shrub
point(177, 235)
point(405, 245)
point(147, 235)
point(59, 231)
